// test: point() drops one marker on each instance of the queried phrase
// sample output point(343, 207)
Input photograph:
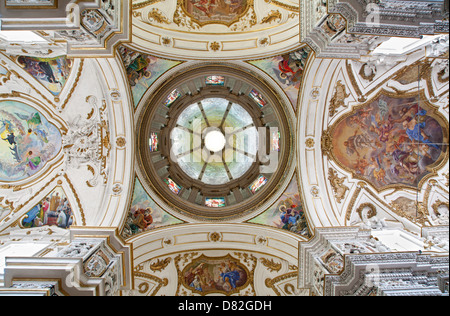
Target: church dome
point(214, 142)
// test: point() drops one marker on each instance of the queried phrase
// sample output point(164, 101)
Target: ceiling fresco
point(51, 72)
point(142, 70)
point(53, 210)
point(334, 151)
point(145, 214)
point(391, 141)
point(220, 275)
point(204, 12)
point(287, 213)
point(287, 70)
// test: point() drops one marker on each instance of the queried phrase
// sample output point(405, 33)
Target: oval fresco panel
point(215, 275)
point(216, 11)
point(391, 141)
point(28, 141)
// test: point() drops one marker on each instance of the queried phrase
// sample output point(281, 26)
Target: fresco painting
point(28, 141)
point(390, 141)
point(145, 214)
point(215, 202)
point(287, 70)
point(215, 275)
point(51, 72)
point(259, 182)
point(287, 213)
point(142, 70)
point(53, 210)
point(215, 80)
point(215, 11)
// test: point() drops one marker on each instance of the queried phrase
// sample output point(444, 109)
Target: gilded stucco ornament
point(339, 188)
point(338, 98)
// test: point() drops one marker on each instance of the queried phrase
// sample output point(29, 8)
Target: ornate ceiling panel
point(189, 29)
point(58, 146)
point(193, 177)
point(259, 261)
point(107, 142)
point(392, 166)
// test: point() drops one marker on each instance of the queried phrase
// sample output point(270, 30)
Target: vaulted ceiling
point(355, 124)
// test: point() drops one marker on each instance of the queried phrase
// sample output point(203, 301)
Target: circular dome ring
point(157, 118)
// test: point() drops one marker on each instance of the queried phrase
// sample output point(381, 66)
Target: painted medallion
point(287, 70)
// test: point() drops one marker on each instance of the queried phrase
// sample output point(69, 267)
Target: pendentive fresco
point(320, 166)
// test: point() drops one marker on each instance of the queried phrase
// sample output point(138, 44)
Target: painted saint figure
point(230, 275)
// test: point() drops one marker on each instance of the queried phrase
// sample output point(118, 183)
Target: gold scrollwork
point(145, 3)
point(371, 213)
point(271, 265)
point(160, 264)
point(338, 99)
point(288, 288)
point(157, 16)
point(214, 237)
point(339, 188)
point(326, 143)
point(181, 8)
point(327, 140)
point(284, 5)
point(271, 17)
point(144, 287)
